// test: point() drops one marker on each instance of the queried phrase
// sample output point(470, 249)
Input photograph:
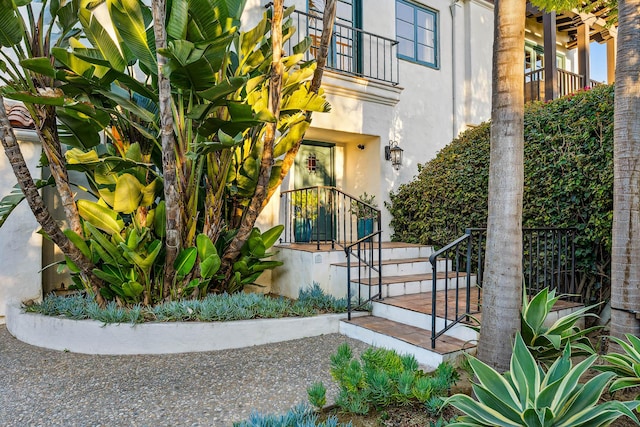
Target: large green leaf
point(78, 242)
point(210, 266)
point(185, 261)
point(178, 19)
point(100, 216)
point(270, 237)
point(223, 89)
point(128, 194)
point(102, 40)
point(10, 28)
point(128, 18)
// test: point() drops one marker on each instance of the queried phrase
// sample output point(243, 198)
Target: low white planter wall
point(92, 337)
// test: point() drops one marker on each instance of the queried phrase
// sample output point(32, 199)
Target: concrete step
point(399, 267)
point(413, 283)
point(405, 339)
point(421, 317)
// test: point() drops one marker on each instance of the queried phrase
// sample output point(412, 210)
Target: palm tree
point(503, 264)
point(625, 251)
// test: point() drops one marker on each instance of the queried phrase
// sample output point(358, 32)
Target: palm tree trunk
point(501, 297)
point(48, 134)
point(275, 94)
point(171, 192)
point(40, 211)
point(625, 251)
point(328, 19)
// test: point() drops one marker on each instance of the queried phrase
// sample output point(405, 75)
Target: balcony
point(352, 51)
point(567, 83)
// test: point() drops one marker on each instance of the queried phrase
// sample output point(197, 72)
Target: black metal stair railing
point(548, 261)
point(327, 216)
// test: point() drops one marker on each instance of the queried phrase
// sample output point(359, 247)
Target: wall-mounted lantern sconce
point(394, 153)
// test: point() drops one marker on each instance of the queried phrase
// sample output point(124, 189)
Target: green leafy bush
point(214, 307)
point(527, 396)
point(568, 181)
point(383, 378)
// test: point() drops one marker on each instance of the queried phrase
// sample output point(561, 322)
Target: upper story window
point(417, 32)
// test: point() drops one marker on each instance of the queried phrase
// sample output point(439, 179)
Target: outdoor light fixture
point(394, 153)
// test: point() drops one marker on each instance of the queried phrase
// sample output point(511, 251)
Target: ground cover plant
point(299, 416)
point(212, 308)
point(568, 183)
point(383, 378)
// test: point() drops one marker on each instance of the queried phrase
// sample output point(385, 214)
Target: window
point(417, 33)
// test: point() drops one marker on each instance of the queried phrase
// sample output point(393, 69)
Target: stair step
point(390, 261)
point(388, 280)
point(405, 339)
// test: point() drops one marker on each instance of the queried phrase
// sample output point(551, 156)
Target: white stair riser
point(399, 268)
point(408, 288)
point(423, 321)
point(425, 357)
point(398, 253)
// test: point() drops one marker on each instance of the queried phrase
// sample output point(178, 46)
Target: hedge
point(568, 181)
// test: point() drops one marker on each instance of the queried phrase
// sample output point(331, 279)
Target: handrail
point(367, 263)
point(548, 261)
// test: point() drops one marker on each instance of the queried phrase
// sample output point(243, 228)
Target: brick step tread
point(411, 334)
point(387, 280)
point(388, 261)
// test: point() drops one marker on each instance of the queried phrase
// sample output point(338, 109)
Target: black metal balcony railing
point(352, 51)
point(548, 261)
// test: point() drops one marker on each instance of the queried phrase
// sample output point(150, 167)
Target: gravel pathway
point(40, 387)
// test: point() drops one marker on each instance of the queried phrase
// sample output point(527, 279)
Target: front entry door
point(314, 166)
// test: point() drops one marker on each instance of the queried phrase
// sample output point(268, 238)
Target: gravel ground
point(40, 387)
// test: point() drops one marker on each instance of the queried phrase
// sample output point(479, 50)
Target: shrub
point(568, 181)
point(383, 378)
point(527, 396)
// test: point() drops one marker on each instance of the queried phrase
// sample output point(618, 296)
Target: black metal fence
point(548, 261)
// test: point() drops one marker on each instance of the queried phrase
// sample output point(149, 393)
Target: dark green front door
point(314, 167)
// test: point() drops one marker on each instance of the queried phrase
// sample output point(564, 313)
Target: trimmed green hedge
point(568, 181)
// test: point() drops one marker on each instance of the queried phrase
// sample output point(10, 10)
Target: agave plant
point(526, 395)
point(625, 366)
point(546, 343)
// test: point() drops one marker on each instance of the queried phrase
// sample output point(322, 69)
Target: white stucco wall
point(20, 245)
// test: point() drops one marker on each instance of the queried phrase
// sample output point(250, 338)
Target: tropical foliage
point(625, 365)
point(103, 86)
point(568, 183)
point(526, 395)
point(546, 342)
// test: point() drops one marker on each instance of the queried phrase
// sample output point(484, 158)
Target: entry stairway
point(402, 319)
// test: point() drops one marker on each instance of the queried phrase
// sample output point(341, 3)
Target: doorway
point(315, 167)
